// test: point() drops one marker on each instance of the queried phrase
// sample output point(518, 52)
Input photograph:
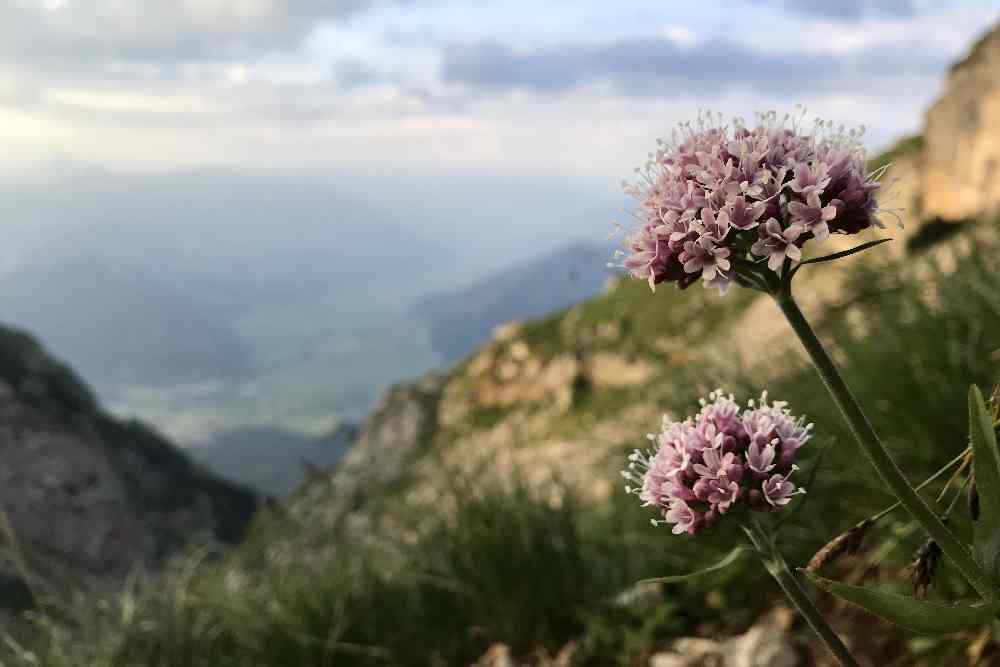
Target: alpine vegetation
point(728, 460)
point(718, 201)
point(721, 460)
point(736, 204)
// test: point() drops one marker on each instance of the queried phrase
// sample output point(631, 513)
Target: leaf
point(842, 253)
point(907, 612)
point(728, 560)
point(986, 464)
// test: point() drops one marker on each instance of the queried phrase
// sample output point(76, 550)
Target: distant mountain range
point(120, 324)
point(236, 244)
point(270, 293)
point(204, 300)
point(275, 460)
point(204, 303)
point(272, 460)
point(462, 319)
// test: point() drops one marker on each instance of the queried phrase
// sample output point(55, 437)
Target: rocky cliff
point(962, 137)
point(84, 497)
point(952, 171)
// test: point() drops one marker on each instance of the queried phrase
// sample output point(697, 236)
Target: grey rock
point(85, 498)
point(396, 433)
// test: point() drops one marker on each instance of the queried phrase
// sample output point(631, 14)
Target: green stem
point(778, 568)
point(878, 455)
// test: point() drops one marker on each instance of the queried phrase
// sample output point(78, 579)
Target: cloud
point(660, 66)
point(73, 35)
point(253, 83)
point(852, 10)
point(178, 61)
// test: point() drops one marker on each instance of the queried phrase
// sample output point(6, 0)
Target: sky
point(539, 108)
point(230, 138)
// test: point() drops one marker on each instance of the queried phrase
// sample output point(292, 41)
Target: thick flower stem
point(878, 455)
point(778, 568)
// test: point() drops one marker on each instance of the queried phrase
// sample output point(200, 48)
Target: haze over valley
point(209, 302)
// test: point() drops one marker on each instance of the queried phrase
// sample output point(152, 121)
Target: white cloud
point(339, 96)
point(681, 35)
point(948, 30)
point(591, 132)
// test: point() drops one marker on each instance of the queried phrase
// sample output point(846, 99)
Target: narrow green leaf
point(907, 612)
point(728, 560)
point(842, 253)
point(986, 464)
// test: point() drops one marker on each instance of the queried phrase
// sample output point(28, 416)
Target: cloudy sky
point(397, 94)
point(229, 139)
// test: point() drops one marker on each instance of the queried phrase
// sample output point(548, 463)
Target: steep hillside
point(557, 395)
point(558, 402)
point(87, 497)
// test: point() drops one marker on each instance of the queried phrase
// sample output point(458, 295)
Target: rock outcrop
point(962, 137)
point(952, 170)
point(85, 498)
point(396, 434)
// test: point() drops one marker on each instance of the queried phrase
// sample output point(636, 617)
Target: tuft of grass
point(530, 566)
point(486, 416)
point(640, 319)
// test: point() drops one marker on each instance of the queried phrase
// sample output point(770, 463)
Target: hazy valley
point(199, 314)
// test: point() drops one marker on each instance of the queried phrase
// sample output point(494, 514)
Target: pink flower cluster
point(717, 196)
point(718, 460)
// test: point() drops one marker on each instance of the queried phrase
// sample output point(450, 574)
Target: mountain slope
point(89, 497)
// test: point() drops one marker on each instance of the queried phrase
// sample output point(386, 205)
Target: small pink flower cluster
point(723, 457)
point(717, 196)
